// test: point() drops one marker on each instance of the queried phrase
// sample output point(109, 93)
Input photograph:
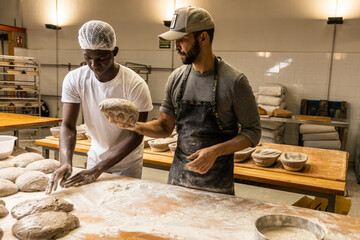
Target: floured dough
point(32, 181)
point(7, 188)
point(1, 233)
point(3, 211)
point(2, 202)
point(11, 173)
point(288, 233)
point(116, 107)
point(45, 166)
point(32, 206)
point(25, 159)
point(46, 225)
point(4, 165)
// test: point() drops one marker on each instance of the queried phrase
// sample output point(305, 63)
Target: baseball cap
point(187, 20)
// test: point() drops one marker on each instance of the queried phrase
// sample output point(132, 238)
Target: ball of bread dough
point(32, 181)
point(45, 225)
point(3, 211)
point(32, 206)
point(4, 165)
point(45, 166)
point(11, 173)
point(25, 159)
point(7, 188)
point(117, 108)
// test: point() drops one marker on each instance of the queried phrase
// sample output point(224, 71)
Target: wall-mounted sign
point(164, 44)
point(19, 41)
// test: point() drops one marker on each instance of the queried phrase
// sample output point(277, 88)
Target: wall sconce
point(52, 26)
point(335, 20)
point(167, 23)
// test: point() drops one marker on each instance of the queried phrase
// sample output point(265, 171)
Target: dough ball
point(3, 211)
point(11, 173)
point(1, 233)
point(45, 166)
point(32, 206)
point(45, 225)
point(7, 188)
point(25, 159)
point(4, 165)
point(2, 202)
point(32, 181)
point(116, 107)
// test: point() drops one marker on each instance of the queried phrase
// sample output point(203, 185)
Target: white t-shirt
point(82, 86)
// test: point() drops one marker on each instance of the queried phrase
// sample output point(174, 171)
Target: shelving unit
point(20, 85)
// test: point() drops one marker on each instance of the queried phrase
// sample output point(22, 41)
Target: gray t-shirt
point(234, 99)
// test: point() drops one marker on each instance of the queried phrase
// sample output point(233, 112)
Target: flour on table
point(32, 181)
point(32, 206)
point(25, 159)
point(45, 166)
point(117, 108)
point(11, 173)
point(7, 188)
point(45, 225)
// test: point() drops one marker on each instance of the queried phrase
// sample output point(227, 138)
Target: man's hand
point(82, 178)
point(204, 160)
point(63, 173)
point(129, 125)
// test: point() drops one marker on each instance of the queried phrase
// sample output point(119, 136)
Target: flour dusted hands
point(203, 160)
point(120, 112)
point(82, 178)
point(63, 173)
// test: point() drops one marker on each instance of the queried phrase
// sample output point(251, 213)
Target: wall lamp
point(52, 26)
point(335, 20)
point(167, 23)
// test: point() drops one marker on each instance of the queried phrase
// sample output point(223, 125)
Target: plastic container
point(6, 146)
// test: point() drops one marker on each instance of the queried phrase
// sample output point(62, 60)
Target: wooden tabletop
point(12, 120)
point(116, 207)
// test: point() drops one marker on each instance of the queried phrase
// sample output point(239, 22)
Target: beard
point(191, 56)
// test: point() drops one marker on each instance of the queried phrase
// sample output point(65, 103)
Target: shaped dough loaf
point(32, 181)
point(32, 206)
point(7, 188)
point(4, 165)
point(3, 211)
point(45, 166)
point(117, 108)
point(25, 159)
point(11, 173)
point(45, 225)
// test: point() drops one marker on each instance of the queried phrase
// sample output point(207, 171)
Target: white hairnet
point(97, 35)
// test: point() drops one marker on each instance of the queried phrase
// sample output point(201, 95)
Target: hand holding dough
point(120, 111)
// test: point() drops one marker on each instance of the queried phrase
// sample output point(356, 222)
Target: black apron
point(198, 126)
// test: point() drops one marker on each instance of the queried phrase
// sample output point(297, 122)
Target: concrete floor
point(242, 190)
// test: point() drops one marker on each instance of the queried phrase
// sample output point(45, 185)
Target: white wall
point(253, 36)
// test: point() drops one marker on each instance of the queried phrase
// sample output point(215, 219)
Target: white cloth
point(327, 144)
point(313, 128)
point(271, 125)
point(320, 136)
point(269, 133)
point(270, 100)
point(278, 139)
point(81, 86)
point(272, 90)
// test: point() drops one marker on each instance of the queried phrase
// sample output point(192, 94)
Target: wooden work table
point(15, 122)
point(116, 207)
point(324, 174)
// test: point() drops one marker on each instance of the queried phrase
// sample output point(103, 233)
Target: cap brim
point(172, 35)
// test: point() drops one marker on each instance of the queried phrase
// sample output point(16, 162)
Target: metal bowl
point(277, 221)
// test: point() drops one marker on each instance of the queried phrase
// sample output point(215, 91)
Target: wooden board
point(321, 163)
point(12, 120)
point(313, 118)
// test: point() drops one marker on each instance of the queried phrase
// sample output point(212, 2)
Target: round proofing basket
point(282, 220)
point(293, 161)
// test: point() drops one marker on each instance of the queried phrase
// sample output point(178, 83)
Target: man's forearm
point(235, 144)
point(153, 129)
point(67, 145)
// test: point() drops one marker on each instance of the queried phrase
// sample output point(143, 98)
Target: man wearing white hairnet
point(113, 150)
